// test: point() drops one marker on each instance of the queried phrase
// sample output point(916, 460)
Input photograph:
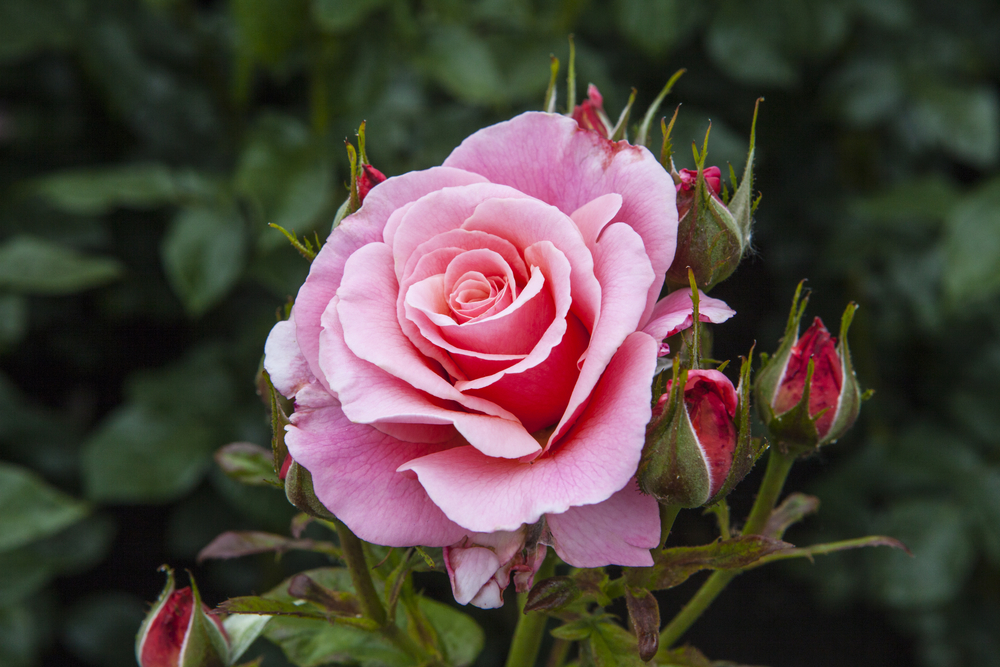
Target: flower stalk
point(530, 628)
point(778, 466)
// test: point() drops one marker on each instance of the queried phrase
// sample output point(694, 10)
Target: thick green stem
point(778, 465)
point(668, 513)
point(530, 628)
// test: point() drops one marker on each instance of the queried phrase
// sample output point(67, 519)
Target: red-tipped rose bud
point(807, 394)
point(690, 440)
point(713, 228)
point(368, 179)
point(590, 113)
point(689, 178)
point(180, 632)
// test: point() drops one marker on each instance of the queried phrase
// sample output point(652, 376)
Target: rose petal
point(595, 215)
point(623, 270)
point(469, 568)
point(619, 531)
point(596, 459)
point(368, 395)
point(353, 469)
point(283, 360)
point(525, 222)
point(363, 227)
point(549, 157)
point(675, 312)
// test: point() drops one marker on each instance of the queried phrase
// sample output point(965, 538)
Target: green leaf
point(139, 455)
point(463, 64)
point(287, 177)
point(938, 534)
point(100, 627)
point(656, 26)
point(13, 319)
point(203, 255)
point(237, 543)
point(461, 638)
point(255, 605)
point(792, 509)
point(33, 266)
point(963, 120)
point(247, 463)
point(338, 16)
point(610, 645)
point(26, 570)
point(30, 26)
point(913, 201)
point(673, 566)
point(972, 246)
point(243, 630)
point(99, 190)
point(267, 30)
point(30, 509)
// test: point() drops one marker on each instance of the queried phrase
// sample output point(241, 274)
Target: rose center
point(475, 296)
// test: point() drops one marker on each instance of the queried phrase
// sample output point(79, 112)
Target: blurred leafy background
point(144, 147)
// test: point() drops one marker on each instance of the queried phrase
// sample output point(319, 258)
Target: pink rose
point(473, 349)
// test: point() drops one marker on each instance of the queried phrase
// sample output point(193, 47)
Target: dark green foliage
point(146, 145)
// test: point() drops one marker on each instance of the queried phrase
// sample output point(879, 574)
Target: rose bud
point(590, 115)
point(179, 631)
point(479, 567)
point(807, 393)
point(691, 439)
point(368, 179)
point(713, 228)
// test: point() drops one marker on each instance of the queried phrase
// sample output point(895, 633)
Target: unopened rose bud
point(807, 393)
point(180, 632)
point(713, 229)
point(690, 440)
point(480, 566)
point(590, 115)
point(368, 179)
point(689, 178)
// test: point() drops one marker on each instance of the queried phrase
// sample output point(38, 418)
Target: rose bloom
point(473, 349)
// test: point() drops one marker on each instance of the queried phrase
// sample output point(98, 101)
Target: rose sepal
point(300, 493)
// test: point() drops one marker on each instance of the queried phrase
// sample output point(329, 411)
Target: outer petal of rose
point(596, 459)
point(283, 359)
point(547, 156)
point(440, 212)
point(469, 569)
point(368, 395)
point(619, 531)
point(525, 222)
point(675, 312)
point(353, 469)
point(623, 269)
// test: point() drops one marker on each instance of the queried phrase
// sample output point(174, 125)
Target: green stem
point(531, 626)
point(557, 656)
point(668, 513)
point(361, 576)
point(778, 465)
point(371, 603)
